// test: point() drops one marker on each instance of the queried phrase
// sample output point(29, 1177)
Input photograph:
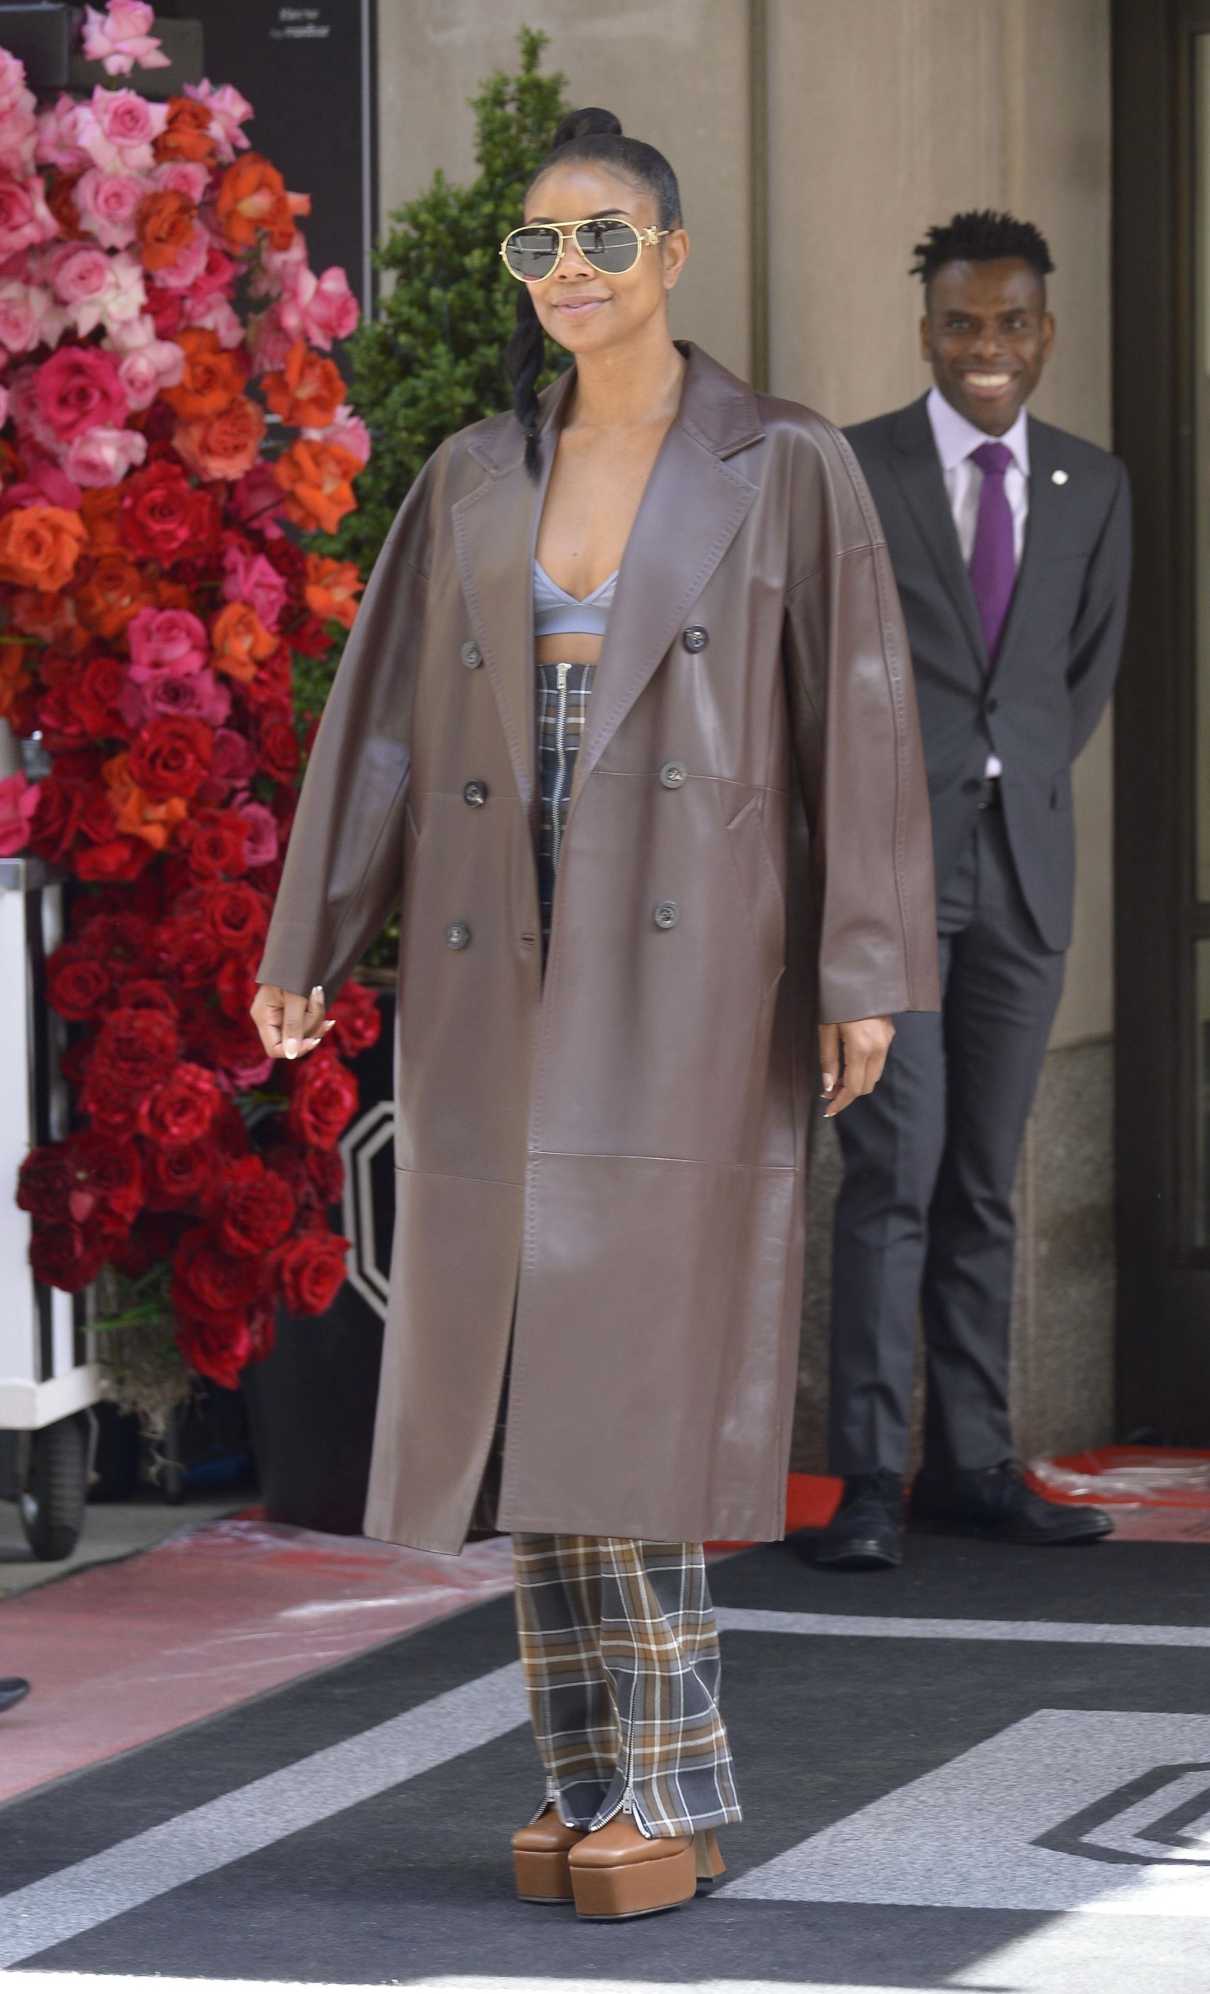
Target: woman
point(636, 645)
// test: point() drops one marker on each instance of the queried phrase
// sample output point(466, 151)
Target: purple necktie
point(993, 564)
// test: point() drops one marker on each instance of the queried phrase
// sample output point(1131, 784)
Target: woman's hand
point(866, 1043)
point(289, 1024)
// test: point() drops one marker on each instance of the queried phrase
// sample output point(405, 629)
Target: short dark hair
point(981, 235)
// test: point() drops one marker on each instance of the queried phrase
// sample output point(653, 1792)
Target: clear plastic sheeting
point(129, 1651)
point(1151, 1492)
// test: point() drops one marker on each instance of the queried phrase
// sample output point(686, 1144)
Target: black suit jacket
point(1058, 657)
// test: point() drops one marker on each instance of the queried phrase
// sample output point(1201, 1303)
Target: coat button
point(475, 793)
point(471, 654)
point(673, 774)
point(665, 914)
point(695, 638)
point(457, 935)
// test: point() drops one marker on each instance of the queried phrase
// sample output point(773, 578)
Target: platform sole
point(542, 1877)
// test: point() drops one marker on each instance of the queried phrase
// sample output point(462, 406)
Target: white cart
point(48, 1380)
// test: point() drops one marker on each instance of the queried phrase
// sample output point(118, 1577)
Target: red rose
point(278, 746)
point(98, 698)
point(356, 1020)
point(311, 1268)
point(121, 938)
point(56, 820)
point(117, 858)
point(77, 982)
point(163, 515)
point(235, 987)
point(44, 1183)
point(106, 1180)
point(61, 721)
point(180, 1110)
point(323, 1100)
point(152, 1238)
point(68, 1256)
point(187, 947)
point(326, 1170)
point(133, 1049)
point(255, 1208)
point(179, 1178)
point(217, 1350)
point(237, 915)
point(145, 994)
point(215, 841)
point(172, 756)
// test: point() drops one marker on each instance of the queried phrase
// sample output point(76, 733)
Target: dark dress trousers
point(925, 1217)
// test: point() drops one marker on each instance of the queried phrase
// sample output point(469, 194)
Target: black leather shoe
point(866, 1533)
point(998, 1502)
point(12, 1689)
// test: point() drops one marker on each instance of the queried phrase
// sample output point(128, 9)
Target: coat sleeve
point(344, 866)
point(859, 757)
point(1097, 640)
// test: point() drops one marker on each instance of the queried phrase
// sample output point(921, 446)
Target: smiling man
point(1010, 542)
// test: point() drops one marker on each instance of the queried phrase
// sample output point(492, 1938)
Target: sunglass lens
point(612, 246)
point(532, 252)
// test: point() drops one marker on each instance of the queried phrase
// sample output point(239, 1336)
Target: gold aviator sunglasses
point(612, 245)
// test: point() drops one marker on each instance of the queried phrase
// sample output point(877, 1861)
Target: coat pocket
point(761, 893)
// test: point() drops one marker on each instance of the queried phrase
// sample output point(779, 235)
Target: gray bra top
point(558, 614)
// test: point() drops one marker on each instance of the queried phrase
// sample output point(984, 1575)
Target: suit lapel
point(694, 505)
point(1044, 517)
point(918, 470)
point(495, 535)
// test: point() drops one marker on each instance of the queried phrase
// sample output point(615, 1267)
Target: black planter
point(311, 1402)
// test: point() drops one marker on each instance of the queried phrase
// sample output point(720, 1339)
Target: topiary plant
point(431, 359)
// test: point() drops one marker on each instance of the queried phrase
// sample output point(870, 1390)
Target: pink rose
point(43, 484)
point(103, 456)
point(217, 316)
point(228, 111)
point(182, 176)
point(3, 407)
point(15, 93)
point(319, 309)
point(190, 695)
point(18, 122)
point(108, 206)
point(29, 316)
point(189, 265)
point(123, 38)
point(261, 838)
point(160, 640)
point(58, 144)
point(232, 765)
point(117, 127)
point(78, 389)
point(144, 370)
point(25, 218)
point(257, 501)
point(79, 273)
point(269, 341)
point(250, 578)
point(18, 801)
point(122, 299)
point(348, 431)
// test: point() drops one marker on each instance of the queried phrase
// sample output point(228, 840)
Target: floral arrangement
point(169, 410)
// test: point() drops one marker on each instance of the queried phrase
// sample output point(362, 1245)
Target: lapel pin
point(1058, 477)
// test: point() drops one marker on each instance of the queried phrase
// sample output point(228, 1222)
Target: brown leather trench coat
point(609, 1163)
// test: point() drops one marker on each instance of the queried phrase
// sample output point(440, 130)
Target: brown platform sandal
point(540, 1854)
point(618, 1872)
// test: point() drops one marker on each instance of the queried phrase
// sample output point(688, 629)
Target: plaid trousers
point(619, 1652)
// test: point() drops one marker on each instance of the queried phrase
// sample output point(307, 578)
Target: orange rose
point(99, 510)
point(50, 617)
point(61, 200)
point(227, 444)
point(308, 390)
point(133, 809)
point(252, 201)
point(186, 134)
point(240, 641)
point(14, 679)
point(112, 594)
point(165, 227)
point(317, 478)
point(213, 377)
point(39, 546)
point(332, 589)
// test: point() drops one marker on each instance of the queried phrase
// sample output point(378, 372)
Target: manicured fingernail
point(829, 1081)
point(317, 990)
point(291, 1048)
point(328, 1027)
point(309, 1045)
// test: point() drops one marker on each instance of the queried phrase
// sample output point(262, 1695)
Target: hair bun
point(591, 122)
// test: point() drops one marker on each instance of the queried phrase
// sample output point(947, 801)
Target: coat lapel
point(694, 505)
point(918, 470)
point(495, 535)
